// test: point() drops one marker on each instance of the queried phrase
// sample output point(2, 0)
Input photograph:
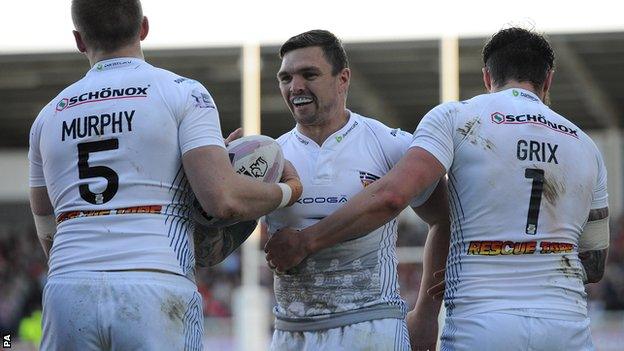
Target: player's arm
point(594, 243)
point(43, 214)
point(228, 195)
point(378, 203)
point(422, 321)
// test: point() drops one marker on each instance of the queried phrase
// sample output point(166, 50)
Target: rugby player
point(116, 160)
point(528, 200)
point(346, 296)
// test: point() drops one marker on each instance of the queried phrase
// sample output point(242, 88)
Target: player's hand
point(423, 332)
point(291, 177)
point(238, 133)
point(437, 290)
point(285, 249)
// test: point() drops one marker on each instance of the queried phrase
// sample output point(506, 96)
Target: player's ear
point(79, 42)
point(487, 79)
point(144, 28)
point(345, 78)
point(548, 81)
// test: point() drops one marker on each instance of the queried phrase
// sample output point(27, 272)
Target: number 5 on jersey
point(85, 171)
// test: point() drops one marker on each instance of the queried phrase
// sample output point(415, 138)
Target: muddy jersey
point(522, 180)
point(108, 148)
point(355, 280)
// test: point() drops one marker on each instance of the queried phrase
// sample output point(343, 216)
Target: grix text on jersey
point(103, 124)
point(536, 151)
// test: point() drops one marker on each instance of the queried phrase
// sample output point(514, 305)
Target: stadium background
point(396, 78)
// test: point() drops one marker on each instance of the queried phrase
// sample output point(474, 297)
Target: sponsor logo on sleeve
point(202, 100)
point(184, 80)
point(398, 131)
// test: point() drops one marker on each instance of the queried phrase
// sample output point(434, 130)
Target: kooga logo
point(539, 119)
point(322, 200)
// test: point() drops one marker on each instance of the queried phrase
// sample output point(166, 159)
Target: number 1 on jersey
point(537, 188)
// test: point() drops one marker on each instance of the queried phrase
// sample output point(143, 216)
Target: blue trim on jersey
point(447, 339)
point(401, 336)
point(454, 261)
point(193, 322)
point(389, 284)
point(383, 258)
point(180, 226)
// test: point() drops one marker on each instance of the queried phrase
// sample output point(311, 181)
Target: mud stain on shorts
point(173, 307)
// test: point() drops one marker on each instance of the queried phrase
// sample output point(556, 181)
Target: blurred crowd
point(23, 274)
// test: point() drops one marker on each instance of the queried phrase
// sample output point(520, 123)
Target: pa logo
point(498, 117)
point(6, 341)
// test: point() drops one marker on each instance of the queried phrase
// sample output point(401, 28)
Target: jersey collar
point(116, 63)
point(519, 93)
point(338, 137)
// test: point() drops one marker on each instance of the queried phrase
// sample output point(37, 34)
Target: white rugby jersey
point(108, 148)
point(522, 180)
point(357, 275)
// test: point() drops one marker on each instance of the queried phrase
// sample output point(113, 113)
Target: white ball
point(257, 156)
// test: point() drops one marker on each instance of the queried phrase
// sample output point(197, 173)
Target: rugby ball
point(256, 156)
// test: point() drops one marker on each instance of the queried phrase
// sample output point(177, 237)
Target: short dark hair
point(332, 47)
point(107, 25)
point(518, 54)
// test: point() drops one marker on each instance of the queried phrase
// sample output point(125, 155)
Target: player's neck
point(126, 51)
point(518, 85)
point(320, 132)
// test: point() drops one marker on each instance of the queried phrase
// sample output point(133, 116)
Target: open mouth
point(299, 101)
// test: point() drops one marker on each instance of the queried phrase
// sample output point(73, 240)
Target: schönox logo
point(498, 117)
point(535, 119)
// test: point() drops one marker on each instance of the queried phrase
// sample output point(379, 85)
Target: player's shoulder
point(454, 109)
point(381, 131)
point(62, 100)
point(173, 81)
point(289, 137)
point(569, 128)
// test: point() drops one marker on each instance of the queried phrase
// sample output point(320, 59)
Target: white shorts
point(121, 311)
point(494, 331)
point(377, 335)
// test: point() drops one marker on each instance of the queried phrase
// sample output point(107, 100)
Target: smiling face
point(312, 93)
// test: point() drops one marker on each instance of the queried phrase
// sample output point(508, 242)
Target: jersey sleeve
point(435, 133)
point(395, 144)
point(35, 176)
point(600, 197)
point(424, 196)
point(199, 125)
point(396, 149)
